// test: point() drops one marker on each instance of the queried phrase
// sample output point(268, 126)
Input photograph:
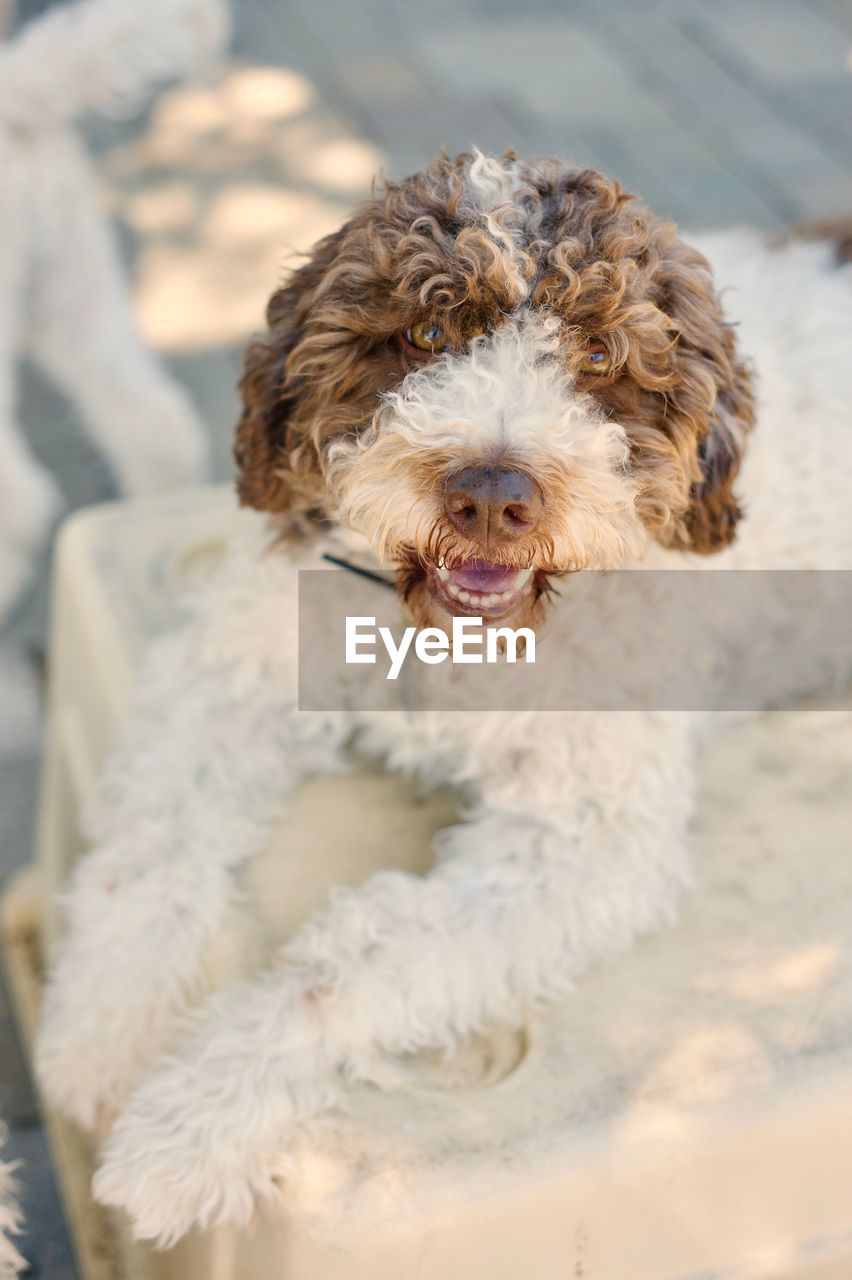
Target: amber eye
point(596, 360)
point(426, 336)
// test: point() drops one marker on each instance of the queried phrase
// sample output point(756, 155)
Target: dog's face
point(501, 372)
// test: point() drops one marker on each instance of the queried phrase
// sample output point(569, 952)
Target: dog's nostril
point(494, 504)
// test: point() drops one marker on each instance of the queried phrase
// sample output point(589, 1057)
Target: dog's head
point(501, 372)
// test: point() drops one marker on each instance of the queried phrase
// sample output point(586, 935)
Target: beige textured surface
point(686, 1113)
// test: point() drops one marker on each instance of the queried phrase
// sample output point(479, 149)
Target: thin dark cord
point(356, 568)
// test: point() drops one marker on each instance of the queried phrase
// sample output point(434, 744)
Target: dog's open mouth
point(480, 587)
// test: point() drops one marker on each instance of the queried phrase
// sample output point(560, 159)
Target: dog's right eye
point(426, 336)
point(596, 361)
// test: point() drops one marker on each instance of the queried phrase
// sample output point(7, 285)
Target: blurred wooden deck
point(715, 113)
point(739, 110)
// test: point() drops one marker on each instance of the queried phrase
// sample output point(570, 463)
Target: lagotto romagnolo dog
point(498, 372)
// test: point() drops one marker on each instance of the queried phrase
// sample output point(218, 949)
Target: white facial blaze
point(491, 188)
point(508, 400)
point(492, 183)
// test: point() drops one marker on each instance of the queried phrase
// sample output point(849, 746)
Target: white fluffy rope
point(11, 1262)
point(106, 56)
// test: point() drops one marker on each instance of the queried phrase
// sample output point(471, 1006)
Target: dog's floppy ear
point(277, 465)
point(713, 512)
point(710, 406)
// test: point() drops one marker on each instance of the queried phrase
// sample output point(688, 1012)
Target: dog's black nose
point(492, 504)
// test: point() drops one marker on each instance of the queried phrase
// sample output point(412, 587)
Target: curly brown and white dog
point(498, 372)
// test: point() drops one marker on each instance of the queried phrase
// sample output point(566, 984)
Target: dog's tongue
point(484, 577)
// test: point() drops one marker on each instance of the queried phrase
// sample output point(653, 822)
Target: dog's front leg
point(523, 898)
point(213, 747)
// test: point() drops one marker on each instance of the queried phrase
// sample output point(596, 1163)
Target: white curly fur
point(574, 841)
point(11, 1262)
point(63, 300)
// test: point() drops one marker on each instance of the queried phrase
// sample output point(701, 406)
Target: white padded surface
point(685, 1114)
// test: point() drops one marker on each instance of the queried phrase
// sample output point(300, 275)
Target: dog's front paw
point(205, 1138)
point(170, 1166)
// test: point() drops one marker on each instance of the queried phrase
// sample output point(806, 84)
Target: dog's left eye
point(426, 336)
point(596, 360)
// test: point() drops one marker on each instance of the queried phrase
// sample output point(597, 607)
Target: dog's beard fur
point(522, 266)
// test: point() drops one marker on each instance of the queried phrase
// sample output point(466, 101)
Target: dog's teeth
point(484, 600)
point(443, 573)
point(441, 562)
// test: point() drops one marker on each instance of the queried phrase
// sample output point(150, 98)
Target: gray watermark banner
point(628, 640)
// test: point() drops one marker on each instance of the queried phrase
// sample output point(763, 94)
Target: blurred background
point(739, 111)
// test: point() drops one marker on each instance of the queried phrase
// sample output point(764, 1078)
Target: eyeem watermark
point(470, 642)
